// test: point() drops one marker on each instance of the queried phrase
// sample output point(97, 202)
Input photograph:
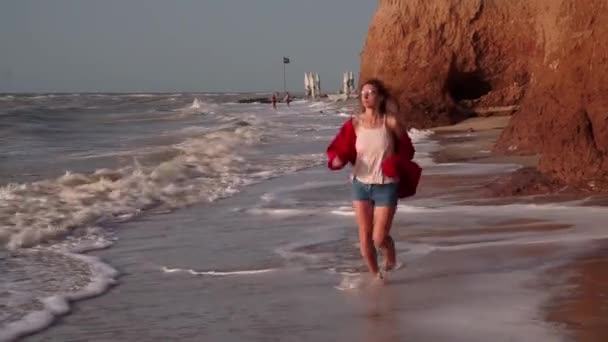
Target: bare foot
point(378, 279)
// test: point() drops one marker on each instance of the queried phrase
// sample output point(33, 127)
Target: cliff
point(445, 60)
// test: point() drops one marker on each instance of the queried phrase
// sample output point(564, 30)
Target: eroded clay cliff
point(446, 59)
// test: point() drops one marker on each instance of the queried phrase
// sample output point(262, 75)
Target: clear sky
point(179, 45)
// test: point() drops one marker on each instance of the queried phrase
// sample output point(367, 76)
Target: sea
point(193, 217)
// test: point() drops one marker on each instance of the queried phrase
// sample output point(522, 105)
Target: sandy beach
point(583, 309)
point(580, 307)
point(164, 172)
point(473, 268)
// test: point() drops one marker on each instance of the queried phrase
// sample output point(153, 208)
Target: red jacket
point(399, 165)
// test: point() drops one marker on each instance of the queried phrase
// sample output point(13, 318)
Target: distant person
point(377, 144)
point(274, 101)
point(287, 99)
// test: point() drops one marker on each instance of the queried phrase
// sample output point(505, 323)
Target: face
point(369, 96)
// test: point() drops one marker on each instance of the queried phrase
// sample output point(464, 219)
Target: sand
point(473, 140)
point(492, 274)
point(584, 309)
point(581, 308)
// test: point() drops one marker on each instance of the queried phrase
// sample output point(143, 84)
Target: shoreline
point(101, 275)
point(452, 149)
point(525, 181)
point(583, 310)
point(580, 305)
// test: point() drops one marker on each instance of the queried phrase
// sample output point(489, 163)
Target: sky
point(180, 45)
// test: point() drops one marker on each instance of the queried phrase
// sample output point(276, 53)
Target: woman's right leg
point(364, 212)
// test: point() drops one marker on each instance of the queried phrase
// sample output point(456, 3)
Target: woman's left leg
point(383, 221)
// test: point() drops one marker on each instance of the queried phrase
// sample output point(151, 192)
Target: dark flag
point(286, 60)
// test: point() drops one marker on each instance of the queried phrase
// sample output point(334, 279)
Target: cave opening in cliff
point(467, 85)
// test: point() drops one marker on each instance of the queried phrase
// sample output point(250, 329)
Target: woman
point(376, 143)
point(273, 99)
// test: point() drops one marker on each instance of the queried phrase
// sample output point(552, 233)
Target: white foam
point(333, 270)
point(344, 211)
point(198, 107)
point(42, 97)
point(127, 153)
point(414, 209)
point(218, 273)
point(103, 277)
point(317, 104)
point(268, 197)
point(139, 95)
point(321, 106)
point(350, 282)
point(196, 104)
point(418, 135)
point(280, 212)
point(203, 167)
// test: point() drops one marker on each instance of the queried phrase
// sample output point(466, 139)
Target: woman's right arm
point(338, 150)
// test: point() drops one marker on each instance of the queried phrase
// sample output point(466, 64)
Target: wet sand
point(468, 275)
point(473, 140)
point(583, 309)
point(581, 306)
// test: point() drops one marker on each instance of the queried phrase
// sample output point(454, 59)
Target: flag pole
point(285, 61)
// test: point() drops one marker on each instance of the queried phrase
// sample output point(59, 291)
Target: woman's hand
point(337, 162)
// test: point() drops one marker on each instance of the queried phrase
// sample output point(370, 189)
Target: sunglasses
point(366, 93)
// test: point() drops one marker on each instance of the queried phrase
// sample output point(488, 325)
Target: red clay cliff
point(546, 61)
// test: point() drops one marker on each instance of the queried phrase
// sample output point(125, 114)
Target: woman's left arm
point(396, 124)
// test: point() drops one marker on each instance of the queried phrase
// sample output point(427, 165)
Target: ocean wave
point(282, 212)
point(42, 97)
point(201, 168)
point(198, 107)
point(30, 307)
point(318, 104)
point(204, 168)
point(344, 211)
point(138, 95)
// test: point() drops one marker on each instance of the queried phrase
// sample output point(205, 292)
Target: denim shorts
point(381, 195)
